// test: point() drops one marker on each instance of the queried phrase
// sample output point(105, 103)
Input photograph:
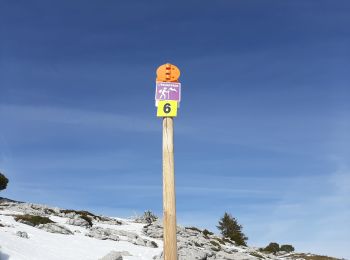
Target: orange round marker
point(168, 73)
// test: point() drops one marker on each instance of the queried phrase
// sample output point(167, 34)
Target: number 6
point(167, 108)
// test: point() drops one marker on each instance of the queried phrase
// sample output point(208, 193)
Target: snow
point(43, 245)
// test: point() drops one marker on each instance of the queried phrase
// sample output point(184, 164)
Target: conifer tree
point(273, 247)
point(230, 228)
point(3, 181)
point(287, 248)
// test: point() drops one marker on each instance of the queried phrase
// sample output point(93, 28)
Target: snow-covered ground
point(43, 245)
point(71, 237)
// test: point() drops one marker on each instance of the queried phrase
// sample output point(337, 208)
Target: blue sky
point(262, 132)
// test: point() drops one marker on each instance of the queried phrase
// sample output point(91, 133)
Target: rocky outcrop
point(110, 221)
point(143, 242)
point(78, 221)
point(120, 235)
point(103, 233)
point(194, 244)
point(29, 208)
point(154, 230)
point(55, 228)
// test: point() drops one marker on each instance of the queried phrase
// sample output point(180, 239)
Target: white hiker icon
point(165, 92)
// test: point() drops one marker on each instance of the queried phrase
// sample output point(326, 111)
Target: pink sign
point(168, 91)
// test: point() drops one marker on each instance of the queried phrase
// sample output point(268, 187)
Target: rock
point(71, 215)
point(154, 230)
point(139, 241)
point(32, 209)
point(55, 228)
point(235, 256)
point(191, 253)
point(108, 220)
point(113, 255)
point(22, 234)
point(103, 233)
point(115, 235)
point(129, 235)
point(152, 244)
point(7, 225)
point(78, 221)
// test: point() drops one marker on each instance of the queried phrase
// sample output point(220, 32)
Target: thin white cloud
point(74, 117)
point(313, 215)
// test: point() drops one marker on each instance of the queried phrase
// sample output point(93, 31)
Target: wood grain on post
point(169, 203)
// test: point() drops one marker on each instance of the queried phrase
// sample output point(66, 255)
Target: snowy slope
point(81, 241)
point(49, 246)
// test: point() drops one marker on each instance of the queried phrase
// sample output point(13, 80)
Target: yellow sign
point(168, 73)
point(167, 108)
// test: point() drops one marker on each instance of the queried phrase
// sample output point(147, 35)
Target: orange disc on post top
point(168, 73)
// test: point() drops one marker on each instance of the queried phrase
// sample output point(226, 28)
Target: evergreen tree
point(272, 248)
point(3, 181)
point(287, 248)
point(230, 228)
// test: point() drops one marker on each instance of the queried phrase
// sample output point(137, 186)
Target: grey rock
point(152, 244)
point(55, 228)
point(191, 253)
point(235, 256)
point(22, 234)
point(103, 233)
point(31, 209)
point(110, 221)
point(129, 235)
point(154, 230)
point(113, 255)
point(139, 241)
point(78, 221)
point(120, 235)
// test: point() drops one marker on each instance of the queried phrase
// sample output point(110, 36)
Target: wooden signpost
point(168, 95)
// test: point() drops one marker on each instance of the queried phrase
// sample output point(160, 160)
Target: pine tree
point(3, 181)
point(230, 228)
point(273, 247)
point(287, 248)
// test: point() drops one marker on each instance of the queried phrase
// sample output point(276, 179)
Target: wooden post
point(169, 208)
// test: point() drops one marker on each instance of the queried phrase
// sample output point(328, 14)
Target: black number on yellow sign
point(167, 108)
